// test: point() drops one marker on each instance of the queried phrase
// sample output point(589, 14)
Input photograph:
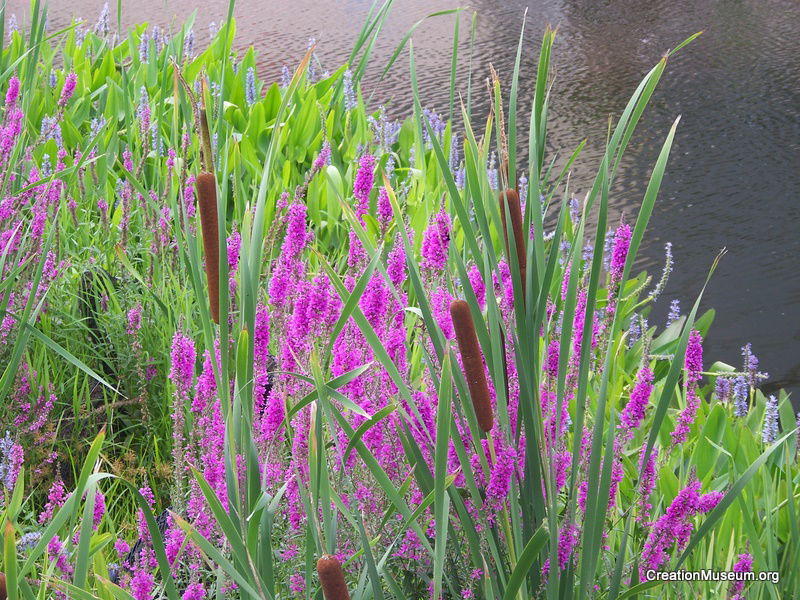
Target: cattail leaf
point(84, 539)
point(620, 562)
point(372, 570)
point(441, 503)
point(453, 68)
point(525, 562)
point(512, 109)
point(369, 334)
point(382, 478)
point(366, 426)
point(228, 525)
point(9, 583)
point(331, 386)
point(350, 304)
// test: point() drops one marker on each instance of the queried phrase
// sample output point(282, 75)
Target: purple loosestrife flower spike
point(183, 358)
point(568, 538)
point(396, 263)
point(55, 499)
point(12, 93)
point(142, 584)
point(195, 591)
point(619, 253)
point(436, 241)
point(134, 319)
point(324, 157)
point(675, 526)
point(647, 484)
point(68, 89)
point(744, 564)
point(694, 366)
point(769, 432)
point(694, 357)
point(363, 184)
point(633, 413)
point(478, 285)
point(385, 212)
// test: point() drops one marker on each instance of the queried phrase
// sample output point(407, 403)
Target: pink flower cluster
point(675, 527)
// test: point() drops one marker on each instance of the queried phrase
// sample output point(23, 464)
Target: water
point(733, 176)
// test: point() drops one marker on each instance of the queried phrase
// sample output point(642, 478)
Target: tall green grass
point(266, 148)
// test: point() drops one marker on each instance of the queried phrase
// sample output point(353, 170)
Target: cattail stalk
point(331, 577)
point(511, 198)
point(472, 360)
point(207, 200)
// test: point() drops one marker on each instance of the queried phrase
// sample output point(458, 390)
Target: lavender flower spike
point(740, 393)
point(674, 312)
point(662, 283)
point(250, 88)
point(770, 431)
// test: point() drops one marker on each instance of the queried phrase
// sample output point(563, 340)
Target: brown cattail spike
point(3, 591)
point(332, 578)
point(207, 200)
point(511, 198)
point(472, 359)
point(515, 210)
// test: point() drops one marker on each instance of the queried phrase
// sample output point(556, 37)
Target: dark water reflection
point(733, 177)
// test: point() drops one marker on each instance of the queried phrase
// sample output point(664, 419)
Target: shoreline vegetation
point(260, 340)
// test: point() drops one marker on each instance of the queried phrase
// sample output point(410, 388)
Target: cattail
point(512, 198)
point(332, 578)
point(207, 200)
point(3, 591)
point(473, 363)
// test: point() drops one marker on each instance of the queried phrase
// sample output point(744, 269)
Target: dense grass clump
point(259, 340)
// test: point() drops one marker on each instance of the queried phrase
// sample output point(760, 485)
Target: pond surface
point(734, 173)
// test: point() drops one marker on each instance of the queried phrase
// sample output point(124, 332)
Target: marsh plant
point(263, 340)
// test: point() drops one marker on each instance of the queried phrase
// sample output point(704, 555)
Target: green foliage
point(82, 349)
